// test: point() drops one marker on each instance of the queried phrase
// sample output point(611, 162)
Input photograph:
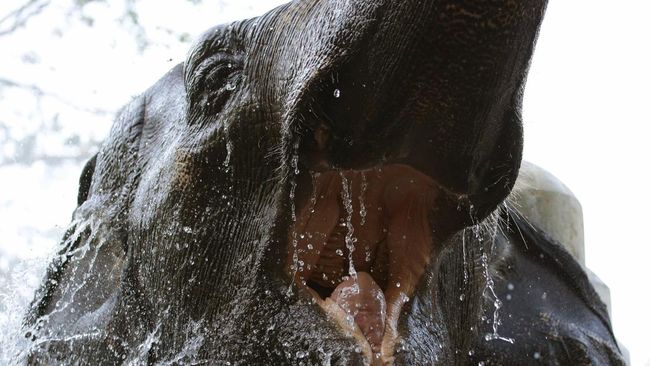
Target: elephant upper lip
point(362, 241)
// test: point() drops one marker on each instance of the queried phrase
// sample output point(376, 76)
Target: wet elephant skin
point(177, 252)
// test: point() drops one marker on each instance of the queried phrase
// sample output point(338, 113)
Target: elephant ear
point(85, 180)
point(82, 280)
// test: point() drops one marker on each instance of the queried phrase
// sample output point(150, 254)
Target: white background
point(588, 122)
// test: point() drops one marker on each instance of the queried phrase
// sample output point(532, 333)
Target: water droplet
point(187, 229)
point(362, 206)
point(337, 93)
point(462, 297)
point(511, 286)
point(292, 196)
point(465, 266)
point(349, 236)
point(339, 252)
point(226, 162)
point(230, 86)
point(398, 284)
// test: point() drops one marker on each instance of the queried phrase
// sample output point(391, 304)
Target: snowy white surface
point(585, 111)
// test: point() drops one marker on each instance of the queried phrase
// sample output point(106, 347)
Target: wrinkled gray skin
point(176, 251)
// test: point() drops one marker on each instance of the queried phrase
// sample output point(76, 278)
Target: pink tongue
point(362, 299)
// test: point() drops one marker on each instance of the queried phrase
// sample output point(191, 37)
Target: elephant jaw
point(361, 243)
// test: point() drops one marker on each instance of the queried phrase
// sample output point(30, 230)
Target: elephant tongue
point(364, 303)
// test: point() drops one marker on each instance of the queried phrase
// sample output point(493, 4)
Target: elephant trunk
point(436, 85)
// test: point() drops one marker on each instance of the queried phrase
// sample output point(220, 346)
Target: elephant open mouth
point(361, 242)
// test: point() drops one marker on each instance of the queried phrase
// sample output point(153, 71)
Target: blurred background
point(66, 66)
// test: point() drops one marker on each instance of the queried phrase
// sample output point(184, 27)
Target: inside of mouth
point(360, 243)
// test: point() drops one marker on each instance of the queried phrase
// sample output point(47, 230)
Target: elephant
point(323, 184)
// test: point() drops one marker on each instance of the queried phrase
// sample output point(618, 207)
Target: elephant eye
point(213, 82)
point(213, 72)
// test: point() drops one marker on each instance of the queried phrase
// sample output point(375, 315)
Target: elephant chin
point(361, 243)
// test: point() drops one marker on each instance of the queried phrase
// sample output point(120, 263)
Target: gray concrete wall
point(550, 205)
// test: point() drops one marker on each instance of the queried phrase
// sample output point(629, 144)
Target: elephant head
point(288, 189)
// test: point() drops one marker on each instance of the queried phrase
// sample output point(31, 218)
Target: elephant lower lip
point(361, 243)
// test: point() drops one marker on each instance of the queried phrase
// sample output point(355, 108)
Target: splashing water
point(226, 161)
point(498, 304)
point(16, 291)
point(19, 291)
point(465, 265)
point(325, 357)
point(191, 347)
point(349, 236)
point(363, 212)
point(489, 281)
point(292, 198)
